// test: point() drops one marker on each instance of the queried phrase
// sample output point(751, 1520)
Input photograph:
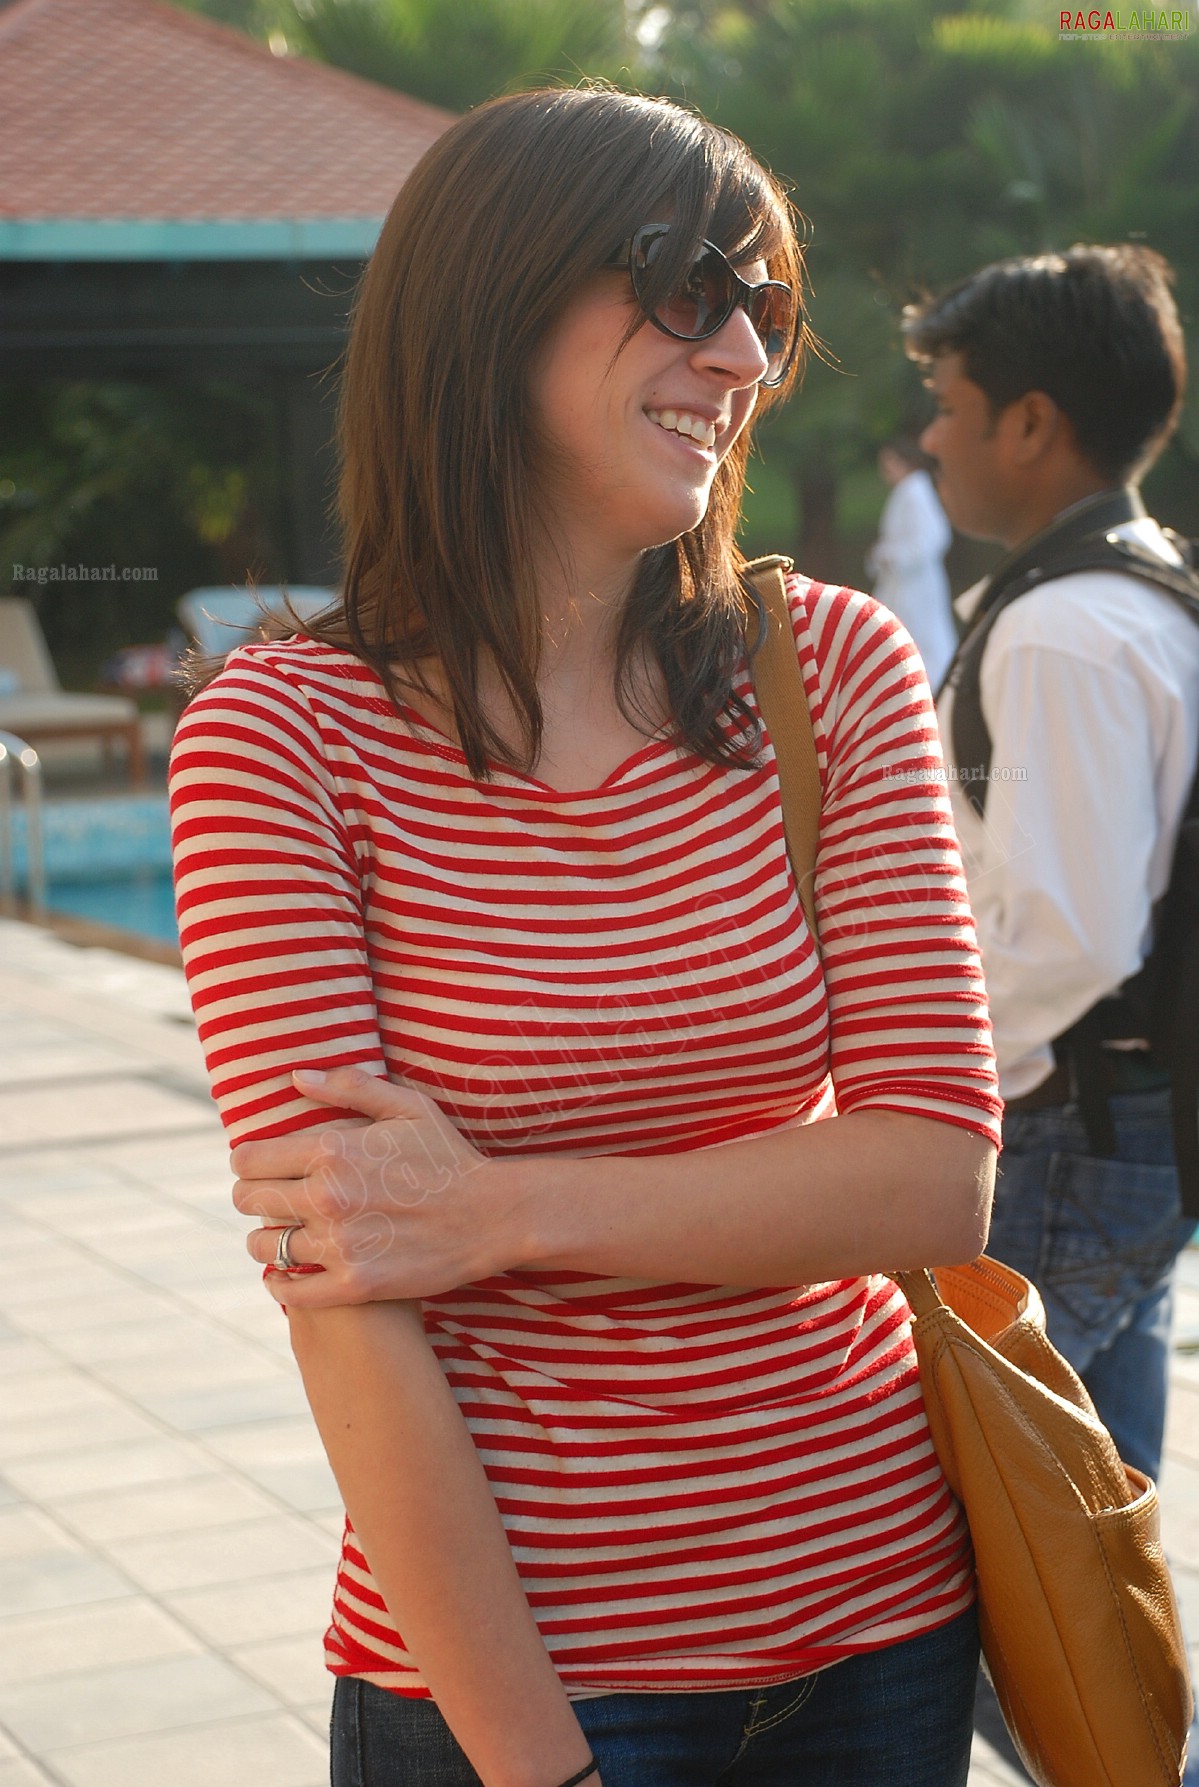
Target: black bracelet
point(583, 1774)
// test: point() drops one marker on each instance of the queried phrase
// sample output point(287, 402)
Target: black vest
point(1081, 541)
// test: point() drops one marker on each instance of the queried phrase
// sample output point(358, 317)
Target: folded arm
point(871, 1191)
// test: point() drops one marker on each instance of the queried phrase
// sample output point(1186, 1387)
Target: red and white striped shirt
point(704, 1487)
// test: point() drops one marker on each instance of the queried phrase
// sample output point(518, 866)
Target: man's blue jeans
point(1099, 1238)
point(899, 1717)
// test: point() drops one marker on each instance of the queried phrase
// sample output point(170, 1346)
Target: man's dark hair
point(1095, 328)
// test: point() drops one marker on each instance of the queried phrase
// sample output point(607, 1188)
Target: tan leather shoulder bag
point(1080, 1629)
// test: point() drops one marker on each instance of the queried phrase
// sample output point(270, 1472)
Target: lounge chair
point(34, 704)
point(223, 617)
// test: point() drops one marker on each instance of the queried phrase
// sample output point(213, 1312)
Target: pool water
point(142, 901)
point(108, 861)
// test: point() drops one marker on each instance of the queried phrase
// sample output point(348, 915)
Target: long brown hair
point(493, 233)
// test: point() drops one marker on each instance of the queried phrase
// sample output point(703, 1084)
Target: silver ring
point(283, 1261)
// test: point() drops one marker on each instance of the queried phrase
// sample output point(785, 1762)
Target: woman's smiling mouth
point(686, 423)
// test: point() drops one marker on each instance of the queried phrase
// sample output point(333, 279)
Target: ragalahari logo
point(1142, 24)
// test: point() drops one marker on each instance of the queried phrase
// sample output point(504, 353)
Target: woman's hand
point(394, 1208)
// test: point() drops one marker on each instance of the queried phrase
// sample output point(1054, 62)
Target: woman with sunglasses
point(510, 1004)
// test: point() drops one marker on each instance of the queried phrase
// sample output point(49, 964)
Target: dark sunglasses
point(709, 292)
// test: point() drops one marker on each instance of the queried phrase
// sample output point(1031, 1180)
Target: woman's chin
point(674, 520)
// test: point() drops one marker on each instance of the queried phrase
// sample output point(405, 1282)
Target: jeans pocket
point(1113, 1232)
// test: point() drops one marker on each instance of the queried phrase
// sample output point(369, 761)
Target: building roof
point(132, 130)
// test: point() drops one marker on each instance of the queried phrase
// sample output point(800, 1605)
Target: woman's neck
point(585, 731)
point(581, 600)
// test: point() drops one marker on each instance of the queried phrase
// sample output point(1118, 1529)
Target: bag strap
point(920, 1288)
point(783, 702)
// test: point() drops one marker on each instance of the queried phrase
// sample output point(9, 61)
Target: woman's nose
point(736, 349)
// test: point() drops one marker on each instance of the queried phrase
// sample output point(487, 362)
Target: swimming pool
point(107, 861)
point(143, 902)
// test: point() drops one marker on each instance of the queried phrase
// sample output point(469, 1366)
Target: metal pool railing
point(19, 758)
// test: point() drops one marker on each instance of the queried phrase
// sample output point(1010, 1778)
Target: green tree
point(258, 18)
point(452, 53)
point(924, 139)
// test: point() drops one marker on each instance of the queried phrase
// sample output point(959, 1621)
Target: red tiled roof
point(133, 109)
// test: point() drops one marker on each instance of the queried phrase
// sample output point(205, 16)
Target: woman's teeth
point(680, 422)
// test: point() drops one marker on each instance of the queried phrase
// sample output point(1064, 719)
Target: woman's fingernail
point(310, 1076)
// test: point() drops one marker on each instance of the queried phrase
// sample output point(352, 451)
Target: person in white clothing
point(1071, 725)
point(907, 560)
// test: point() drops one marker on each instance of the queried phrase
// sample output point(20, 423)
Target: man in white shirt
point(1058, 379)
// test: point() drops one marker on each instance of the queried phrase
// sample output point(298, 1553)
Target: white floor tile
point(41, 1395)
point(164, 1563)
point(54, 1314)
point(58, 1579)
point(80, 1213)
point(187, 1505)
point(59, 1474)
point(28, 1532)
point(107, 1106)
point(201, 1155)
point(97, 1423)
point(271, 1395)
point(316, 1716)
point(148, 1337)
point(289, 1464)
point(20, 1357)
point(172, 1371)
point(23, 1773)
point(206, 1259)
point(292, 1668)
point(281, 1751)
point(296, 1605)
point(42, 1171)
point(277, 1444)
point(100, 1704)
point(330, 1520)
point(36, 1646)
point(241, 1289)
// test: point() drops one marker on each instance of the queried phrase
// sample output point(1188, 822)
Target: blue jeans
point(899, 1717)
point(1099, 1238)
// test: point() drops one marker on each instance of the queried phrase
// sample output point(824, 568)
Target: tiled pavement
point(168, 1525)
